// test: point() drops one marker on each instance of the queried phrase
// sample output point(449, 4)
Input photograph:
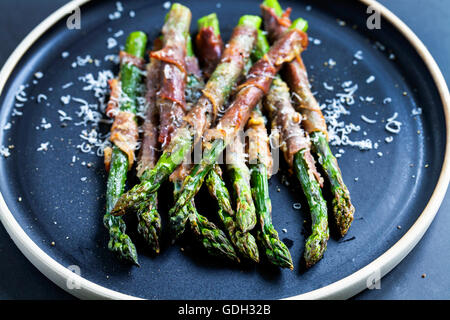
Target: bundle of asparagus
point(182, 111)
point(216, 91)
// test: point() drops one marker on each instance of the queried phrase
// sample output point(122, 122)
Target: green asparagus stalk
point(193, 182)
point(198, 119)
point(243, 241)
point(262, 46)
point(343, 209)
point(260, 162)
point(236, 166)
point(316, 244)
point(275, 5)
point(240, 178)
point(211, 237)
point(315, 125)
point(296, 148)
point(130, 77)
point(176, 27)
point(245, 217)
point(193, 87)
point(276, 251)
point(149, 219)
point(178, 222)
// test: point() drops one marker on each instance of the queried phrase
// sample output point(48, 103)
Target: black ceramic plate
point(54, 202)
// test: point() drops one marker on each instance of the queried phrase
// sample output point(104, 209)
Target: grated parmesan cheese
point(365, 119)
point(67, 85)
point(4, 151)
point(111, 42)
point(392, 125)
point(370, 79)
point(43, 146)
point(7, 126)
point(358, 55)
point(416, 112)
point(38, 75)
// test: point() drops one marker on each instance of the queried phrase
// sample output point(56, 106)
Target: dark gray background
point(428, 19)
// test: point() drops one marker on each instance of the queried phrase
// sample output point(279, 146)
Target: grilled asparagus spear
point(240, 177)
point(171, 98)
point(260, 162)
point(296, 149)
point(210, 237)
point(149, 220)
point(124, 135)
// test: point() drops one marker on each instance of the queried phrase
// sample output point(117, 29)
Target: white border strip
point(341, 289)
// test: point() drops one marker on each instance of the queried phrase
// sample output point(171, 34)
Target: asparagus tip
point(209, 20)
point(343, 212)
point(315, 247)
point(275, 5)
point(136, 43)
point(176, 6)
point(250, 21)
point(300, 24)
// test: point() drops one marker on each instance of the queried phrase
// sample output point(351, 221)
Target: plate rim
point(341, 289)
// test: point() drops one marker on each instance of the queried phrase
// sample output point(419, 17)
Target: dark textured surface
point(404, 282)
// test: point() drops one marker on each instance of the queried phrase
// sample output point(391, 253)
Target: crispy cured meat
point(286, 126)
point(209, 47)
point(148, 154)
point(171, 96)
